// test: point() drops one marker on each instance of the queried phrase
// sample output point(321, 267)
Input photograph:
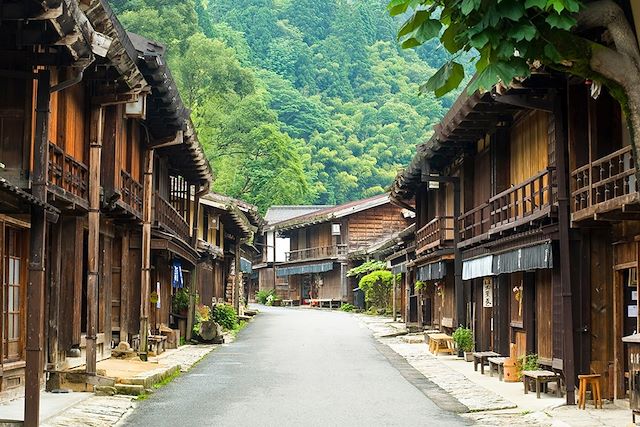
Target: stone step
point(129, 389)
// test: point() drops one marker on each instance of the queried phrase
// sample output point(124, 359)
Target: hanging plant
point(419, 285)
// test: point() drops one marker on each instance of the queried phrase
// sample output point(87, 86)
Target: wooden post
point(565, 246)
point(393, 303)
point(145, 282)
point(124, 288)
point(236, 279)
point(457, 260)
point(192, 302)
point(36, 285)
point(55, 265)
point(93, 241)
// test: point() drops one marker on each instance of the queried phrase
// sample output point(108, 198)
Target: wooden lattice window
point(13, 311)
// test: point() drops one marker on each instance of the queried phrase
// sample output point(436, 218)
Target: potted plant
point(463, 337)
point(181, 302)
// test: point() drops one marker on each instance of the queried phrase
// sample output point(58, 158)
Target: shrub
point(262, 296)
point(181, 301)
point(463, 337)
point(225, 316)
point(419, 285)
point(366, 268)
point(203, 314)
point(347, 307)
point(377, 287)
point(527, 363)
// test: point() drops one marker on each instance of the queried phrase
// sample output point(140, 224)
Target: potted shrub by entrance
point(463, 337)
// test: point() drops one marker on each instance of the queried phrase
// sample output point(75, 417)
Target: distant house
point(320, 243)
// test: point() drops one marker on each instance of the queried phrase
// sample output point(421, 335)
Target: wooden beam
point(93, 241)
point(37, 282)
point(147, 191)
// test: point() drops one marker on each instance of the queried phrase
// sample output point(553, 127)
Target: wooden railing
point(524, 199)
point(168, 218)
point(67, 173)
point(474, 222)
point(316, 253)
point(131, 192)
point(435, 233)
point(514, 205)
point(603, 180)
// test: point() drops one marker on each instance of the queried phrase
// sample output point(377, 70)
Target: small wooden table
point(481, 357)
point(540, 377)
point(497, 364)
point(441, 343)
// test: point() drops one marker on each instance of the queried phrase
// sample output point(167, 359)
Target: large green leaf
point(561, 21)
point(540, 4)
point(447, 78)
point(428, 30)
point(510, 9)
point(398, 7)
point(414, 22)
point(469, 5)
point(449, 37)
point(523, 31)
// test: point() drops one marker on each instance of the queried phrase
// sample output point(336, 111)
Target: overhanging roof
point(304, 269)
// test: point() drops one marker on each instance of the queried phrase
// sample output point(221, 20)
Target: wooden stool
point(592, 380)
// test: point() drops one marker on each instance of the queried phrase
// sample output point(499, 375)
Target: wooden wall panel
point(372, 225)
point(601, 299)
point(205, 282)
point(331, 284)
point(544, 316)
point(529, 146)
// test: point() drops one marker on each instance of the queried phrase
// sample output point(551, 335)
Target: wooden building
point(492, 218)
point(99, 167)
point(315, 267)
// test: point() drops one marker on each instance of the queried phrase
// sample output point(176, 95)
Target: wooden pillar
point(192, 302)
point(93, 241)
point(458, 283)
point(145, 281)
point(564, 223)
point(125, 285)
point(36, 285)
point(236, 279)
point(55, 267)
point(393, 305)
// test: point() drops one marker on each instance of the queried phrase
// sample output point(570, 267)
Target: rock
point(123, 346)
point(130, 389)
point(104, 390)
point(210, 331)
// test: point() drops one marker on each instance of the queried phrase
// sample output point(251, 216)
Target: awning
point(399, 268)
point(524, 259)
point(245, 265)
point(304, 269)
point(433, 271)
point(477, 267)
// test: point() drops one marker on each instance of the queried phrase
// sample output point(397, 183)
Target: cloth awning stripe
point(304, 269)
point(477, 267)
point(531, 258)
point(433, 271)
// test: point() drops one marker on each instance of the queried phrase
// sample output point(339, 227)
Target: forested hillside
point(295, 101)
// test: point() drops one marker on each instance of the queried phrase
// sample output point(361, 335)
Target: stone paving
point(103, 411)
point(487, 408)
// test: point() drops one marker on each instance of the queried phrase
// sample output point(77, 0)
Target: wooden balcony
point(521, 204)
point(167, 218)
point(437, 233)
point(321, 252)
point(67, 174)
point(131, 193)
point(605, 188)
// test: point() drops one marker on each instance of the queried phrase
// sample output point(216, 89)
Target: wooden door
point(14, 289)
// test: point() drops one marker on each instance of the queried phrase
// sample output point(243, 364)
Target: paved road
point(294, 367)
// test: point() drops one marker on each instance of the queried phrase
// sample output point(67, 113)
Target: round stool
point(592, 380)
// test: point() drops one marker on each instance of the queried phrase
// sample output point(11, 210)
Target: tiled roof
point(277, 214)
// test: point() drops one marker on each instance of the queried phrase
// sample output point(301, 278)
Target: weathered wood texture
point(372, 225)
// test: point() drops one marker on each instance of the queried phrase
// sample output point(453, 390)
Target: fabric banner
point(433, 271)
point(524, 259)
point(304, 269)
point(477, 267)
point(176, 274)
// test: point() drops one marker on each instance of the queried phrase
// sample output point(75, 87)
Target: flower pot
point(460, 353)
point(468, 356)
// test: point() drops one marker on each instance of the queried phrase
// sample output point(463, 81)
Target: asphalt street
point(297, 367)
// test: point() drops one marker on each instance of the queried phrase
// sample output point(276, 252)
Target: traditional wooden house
point(491, 191)
point(225, 225)
point(273, 247)
point(321, 241)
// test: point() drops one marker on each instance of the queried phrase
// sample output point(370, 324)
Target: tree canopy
point(295, 101)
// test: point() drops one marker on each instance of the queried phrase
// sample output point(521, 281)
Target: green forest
point(296, 102)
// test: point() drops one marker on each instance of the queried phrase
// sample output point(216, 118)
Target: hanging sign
point(153, 297)
point(487, 292)
point(176, 276)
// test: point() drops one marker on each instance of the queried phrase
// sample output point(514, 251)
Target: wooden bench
point(157, 343)
point(441, 343)
point(287, 303)
point(480, 358)
point(497, 364)
point(541, 378)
